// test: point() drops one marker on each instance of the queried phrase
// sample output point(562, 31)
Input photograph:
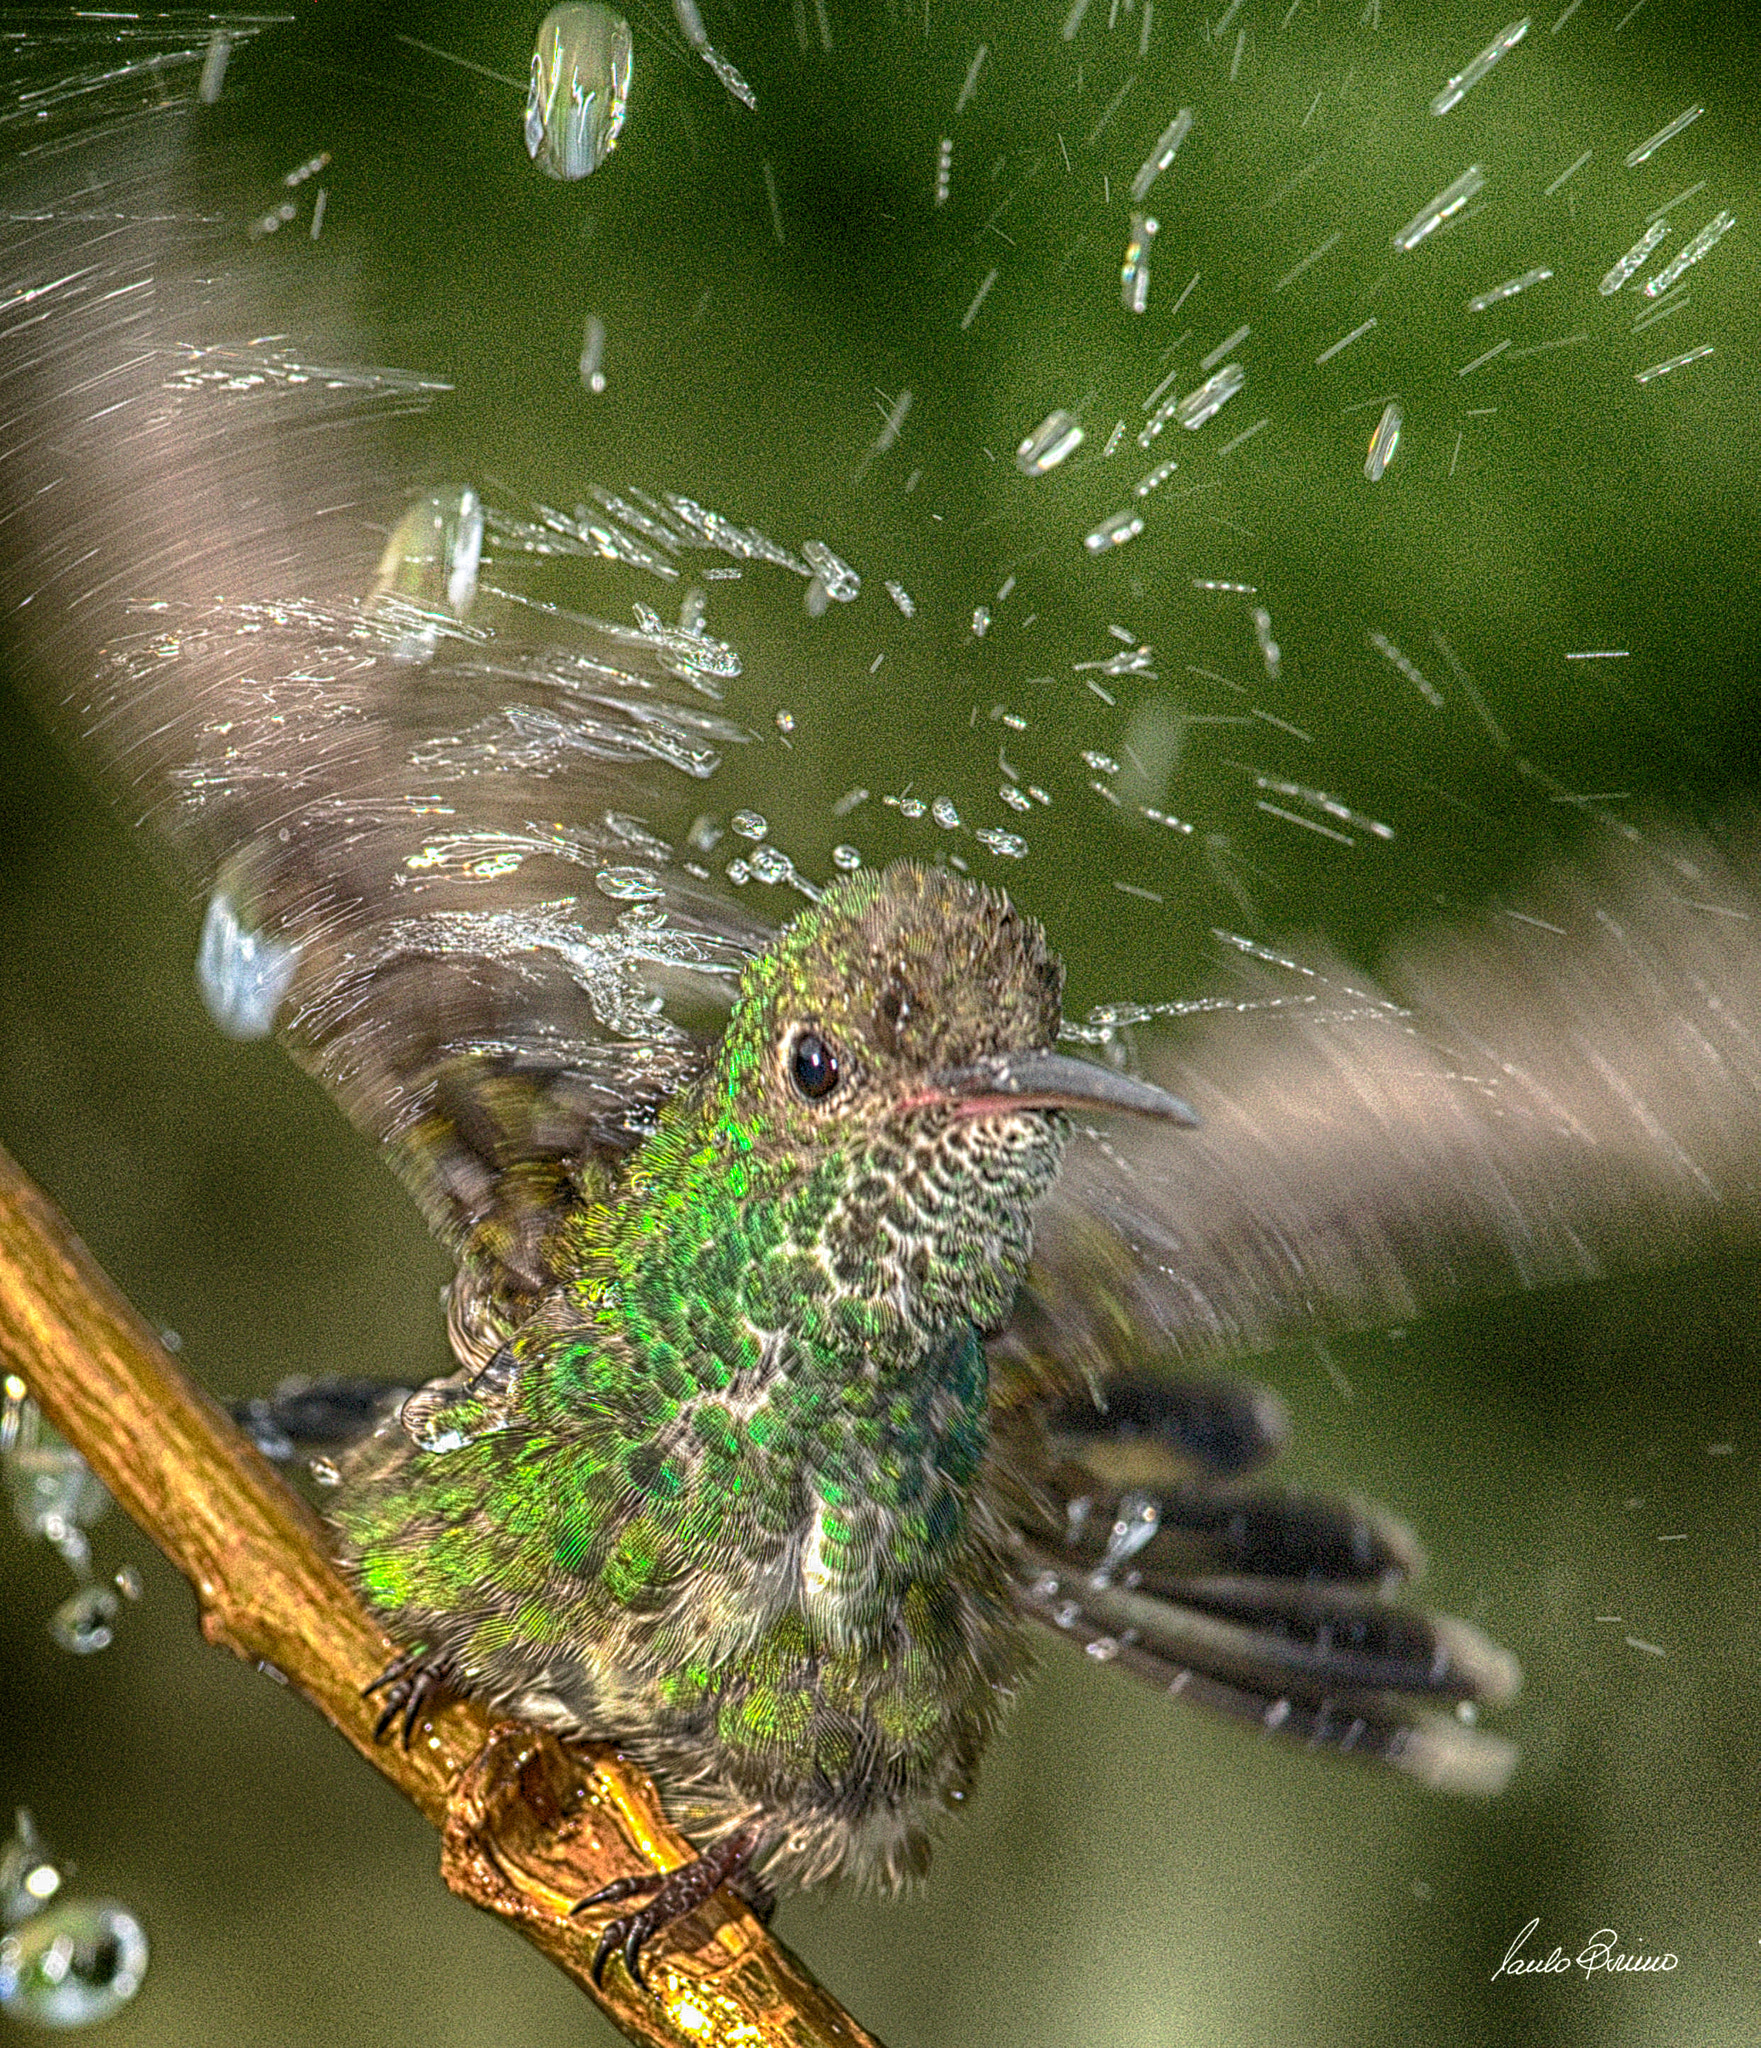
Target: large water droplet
point(580, 85)
point(72, 1965)
point(83, 1622)
point(54, 1492)
point(242, 974)
point(428, 572)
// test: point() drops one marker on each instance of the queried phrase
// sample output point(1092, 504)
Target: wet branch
point(528, 1824)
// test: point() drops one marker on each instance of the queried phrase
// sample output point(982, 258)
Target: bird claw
point(409, 1683)
point(676, 1894)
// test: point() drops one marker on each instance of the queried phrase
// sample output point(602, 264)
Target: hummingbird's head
point(890, 1067)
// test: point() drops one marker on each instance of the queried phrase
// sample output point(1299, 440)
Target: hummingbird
point(742, 1490)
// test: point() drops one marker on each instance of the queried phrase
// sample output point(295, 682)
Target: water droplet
point(1056, 437)
point(448, 1414)
point(593, 355)
point(432, 557)
point(1383, 442)
point(1103, 1649)
point(1067, 1613)
point(785, 721)
point(128, 1583)
point(579, 88)
point(1113, 532)
point(242, 975)
point(944, 813)
point(1211, 396)
point(1134, 272)
point(981, 621)
point(847, 858)
point(841, 581)
point(72, 1965)
point(629, 885)
point(769, 864)
point(324, 1472)
point(749, 824)
point(82, 1623)
point(1139, 1517)
point(1010, 845)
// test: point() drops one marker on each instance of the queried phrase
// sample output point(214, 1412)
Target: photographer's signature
point(1601, 1952)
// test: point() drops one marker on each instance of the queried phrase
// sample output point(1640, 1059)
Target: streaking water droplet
point(841, 581)
point(30, 1874)
point(1134, 271)
point(75, 1964)
point(1706, 240)
point(55, 1494)
point(1161, 156)
point(579, 88)
point(428, 573)
point(1113, 532)
point(1633, 260)
point(1383, 442)
point(1448, 202)
point(593, 355)
point(1476, 68)
point(1056, 436)
point(629, 885)
point(1211, 396)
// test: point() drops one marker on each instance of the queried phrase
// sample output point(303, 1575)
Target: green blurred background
point(1129, 1874)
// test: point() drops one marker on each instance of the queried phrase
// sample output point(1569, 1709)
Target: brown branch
point(529, 1825)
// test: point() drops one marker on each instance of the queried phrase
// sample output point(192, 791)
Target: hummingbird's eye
point(813, 1066)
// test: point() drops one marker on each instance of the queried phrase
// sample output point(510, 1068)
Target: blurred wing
point(414, 793)
point(1570, 1082)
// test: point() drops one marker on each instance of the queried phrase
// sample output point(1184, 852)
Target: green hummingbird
point(741, 1489)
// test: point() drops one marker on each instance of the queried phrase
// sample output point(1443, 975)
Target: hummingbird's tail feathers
point(1569, 1083)
point(1234, 1531)
point(304, 1416)
point(1148, 1429)
point(1330, 1667)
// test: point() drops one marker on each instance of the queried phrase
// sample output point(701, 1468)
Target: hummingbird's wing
point(413, 782)
point(1570, 1082)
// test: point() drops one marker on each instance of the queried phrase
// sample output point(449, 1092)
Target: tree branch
point(529, 1824)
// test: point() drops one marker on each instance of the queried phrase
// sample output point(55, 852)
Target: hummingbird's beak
point(1009, 1081)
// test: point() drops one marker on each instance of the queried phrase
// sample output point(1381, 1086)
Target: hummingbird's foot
point(679, 1892)
point(409, 1683)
